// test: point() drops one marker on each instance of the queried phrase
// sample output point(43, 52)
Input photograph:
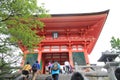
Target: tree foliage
point(18, 23)
point(115, 44)
point(19, 18)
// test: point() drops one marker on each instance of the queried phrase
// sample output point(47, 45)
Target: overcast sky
point(111, 26)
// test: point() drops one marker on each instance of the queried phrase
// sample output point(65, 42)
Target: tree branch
point(5, 18)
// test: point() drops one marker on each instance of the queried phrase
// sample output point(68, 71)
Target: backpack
point(55, 66)
point(34, 67)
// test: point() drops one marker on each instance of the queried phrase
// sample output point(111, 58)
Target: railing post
point(76, 66)
point(110, 68)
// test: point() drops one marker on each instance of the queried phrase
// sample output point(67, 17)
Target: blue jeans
point(55, 76)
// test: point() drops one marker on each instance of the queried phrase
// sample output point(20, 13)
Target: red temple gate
point(68, 37)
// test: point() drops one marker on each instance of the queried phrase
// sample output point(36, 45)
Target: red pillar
point(70, 58)
point(86, 55)
point(40, 57)
point(70, 55)
point(24, 57)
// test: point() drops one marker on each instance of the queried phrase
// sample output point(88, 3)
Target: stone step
point(43, 76)
point(61, 76)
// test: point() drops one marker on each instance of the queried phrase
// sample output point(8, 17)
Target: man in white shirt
point(67, 67)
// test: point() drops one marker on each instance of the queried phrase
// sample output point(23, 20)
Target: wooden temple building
point(68, 37)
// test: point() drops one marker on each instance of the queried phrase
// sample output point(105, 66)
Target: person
point(77, 76)
point(55, 70)
point(46, 69)
point(49, 67)
point(26, 70)
point(35, 69)
point(117, 73)
point(67, 67)
point(71, 69)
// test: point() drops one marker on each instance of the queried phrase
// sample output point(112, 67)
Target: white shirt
point(67, 63)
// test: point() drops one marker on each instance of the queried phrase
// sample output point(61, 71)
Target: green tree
point(115, 44)
point(18, 24)
point(19, 19)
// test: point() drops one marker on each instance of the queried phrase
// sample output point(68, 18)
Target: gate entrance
point(60, 57)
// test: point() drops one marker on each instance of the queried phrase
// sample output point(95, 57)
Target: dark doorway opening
point(60, 57)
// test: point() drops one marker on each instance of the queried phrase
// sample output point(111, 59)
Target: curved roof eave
point(81, 14)
point(57, 19)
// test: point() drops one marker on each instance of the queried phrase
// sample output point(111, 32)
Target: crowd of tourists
point(54, 70)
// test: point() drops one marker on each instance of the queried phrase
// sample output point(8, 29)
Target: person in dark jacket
point(35, 69)
point(117, 73)
point(77, 76)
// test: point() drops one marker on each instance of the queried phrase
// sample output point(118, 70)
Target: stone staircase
point(95, 74)
point(68, 77)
